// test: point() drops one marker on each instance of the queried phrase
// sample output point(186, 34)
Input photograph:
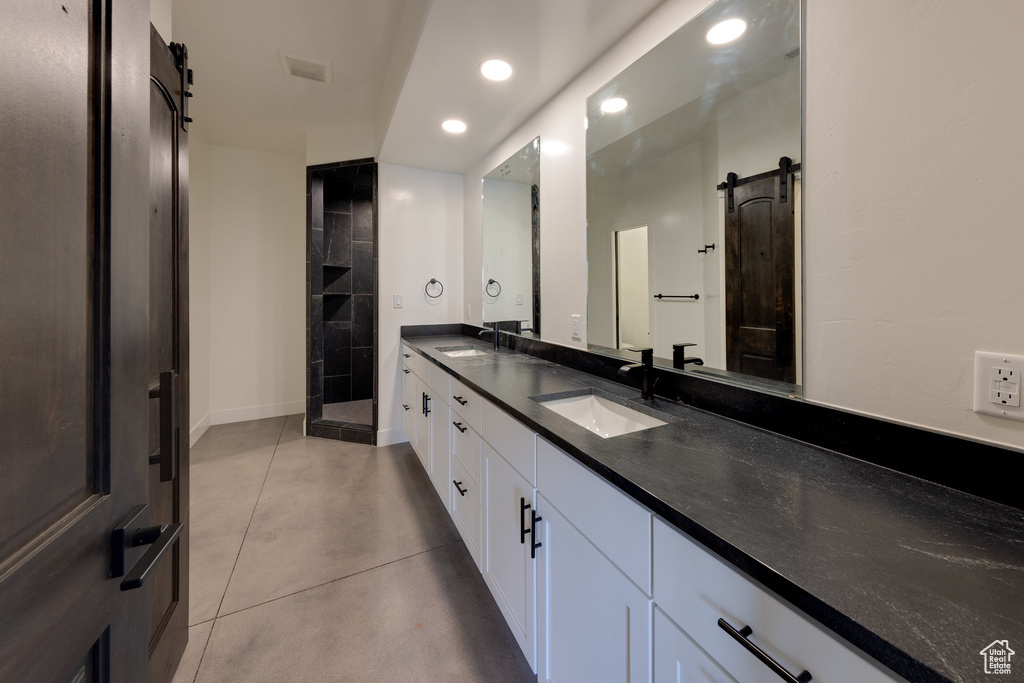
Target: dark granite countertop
point(919, 576)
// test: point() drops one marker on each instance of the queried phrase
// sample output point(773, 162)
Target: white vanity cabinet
point(696, 590)
point(508, 471)
point(593, 602)
point(677, 659)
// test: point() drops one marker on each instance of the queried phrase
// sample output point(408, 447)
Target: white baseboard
point(219, 417)
point(198, 431)
point(387, 437)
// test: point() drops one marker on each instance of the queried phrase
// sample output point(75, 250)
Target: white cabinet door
point(440, 447)
point(508, 570)
point(594, 623)
point(422, 444)
point(678, 660)
point(409, 419)
point(466, 508)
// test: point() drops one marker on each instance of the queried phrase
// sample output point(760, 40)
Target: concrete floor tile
point(237, 437)
point(331, 509)
point(425, 618)
point(225, 487)
point(188, 667)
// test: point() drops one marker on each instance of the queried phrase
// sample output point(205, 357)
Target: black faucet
point(646, 368)
point(492, 330)
point(680, 359)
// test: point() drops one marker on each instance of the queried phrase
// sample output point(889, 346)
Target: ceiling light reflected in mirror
point(726, 31)
point(614, 105)
point(496, 69)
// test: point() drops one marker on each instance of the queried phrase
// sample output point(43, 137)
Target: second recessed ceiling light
point(613, 105)
point(454, 126)
point(496, 69)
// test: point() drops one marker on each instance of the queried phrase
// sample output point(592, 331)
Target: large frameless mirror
point(511, 240)
point(693, 198)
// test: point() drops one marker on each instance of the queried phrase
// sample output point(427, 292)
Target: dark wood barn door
point(74, 268)
point(759, 277)
point(168, 349)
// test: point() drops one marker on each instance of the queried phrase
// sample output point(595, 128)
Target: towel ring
point(487, 287)
point(439, 287)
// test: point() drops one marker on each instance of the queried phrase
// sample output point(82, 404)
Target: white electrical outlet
point(398, 300)
point(469, 312)
point(997, 384)
point(576, 320)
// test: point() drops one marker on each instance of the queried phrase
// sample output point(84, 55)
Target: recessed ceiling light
point(726, 31)
point(496, 69)
point(454, 126)
point(613, 105)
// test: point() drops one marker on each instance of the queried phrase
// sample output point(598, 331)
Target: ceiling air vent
point(304, 66)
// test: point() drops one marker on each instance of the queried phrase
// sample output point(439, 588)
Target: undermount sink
point(462, 351)
point(599, 415)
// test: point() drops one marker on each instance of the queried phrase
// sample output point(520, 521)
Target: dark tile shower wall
point(348, 284)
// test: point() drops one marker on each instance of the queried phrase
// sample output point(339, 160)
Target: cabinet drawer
point(409, 383)
point(677, 659)
point(438, 380)
point(415, 362)
point(512, 440)
point(466, 446)
point(466, 510)
point(467, 402)
point(696, 589)
point(615, 523)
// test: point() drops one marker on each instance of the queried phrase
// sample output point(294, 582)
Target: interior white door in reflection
point(632, 296)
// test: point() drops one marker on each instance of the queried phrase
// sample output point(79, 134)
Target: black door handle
point(459, 399)
point(458, 425)
point(523, 507)
point(127, 535)
point(534, 543)
point(458, 487)
point(167, 392)
point(742, 637)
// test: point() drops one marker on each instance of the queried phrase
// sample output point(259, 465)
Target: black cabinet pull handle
point(459, 399)
point(458, 487)
point(167, 392)
point(406, 355)
point(534, 543)
point(742, 637)
point(426, 405)
point(405, 370)
point(423, 403)
point(523, 507)
point(458, 425)
point(406, 406)
point(127, 535)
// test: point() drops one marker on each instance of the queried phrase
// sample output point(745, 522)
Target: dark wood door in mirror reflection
point(760, 295)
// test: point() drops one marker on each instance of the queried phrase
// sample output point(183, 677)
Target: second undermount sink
point(599, 415)
point(462, 351)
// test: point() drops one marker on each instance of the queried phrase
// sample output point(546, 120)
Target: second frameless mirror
point(693, 198)
point(511, 240)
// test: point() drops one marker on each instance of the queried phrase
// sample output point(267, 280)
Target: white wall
point(199, 283)
point(420, 237)
point(160, 17)
point(257, 284)
point(912, 261)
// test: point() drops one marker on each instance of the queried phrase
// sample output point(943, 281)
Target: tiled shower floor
point(316, 560)
point(350, 412)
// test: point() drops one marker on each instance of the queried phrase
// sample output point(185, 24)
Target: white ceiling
point(400, 67)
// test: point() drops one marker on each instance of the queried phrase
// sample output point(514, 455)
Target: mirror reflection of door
point(632, 296)
point(760, 290)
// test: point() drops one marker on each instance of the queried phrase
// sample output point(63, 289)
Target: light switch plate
point(398, 300)
point(576, 322)
point(519, 298)
point(469, 312)
point(997, 385)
